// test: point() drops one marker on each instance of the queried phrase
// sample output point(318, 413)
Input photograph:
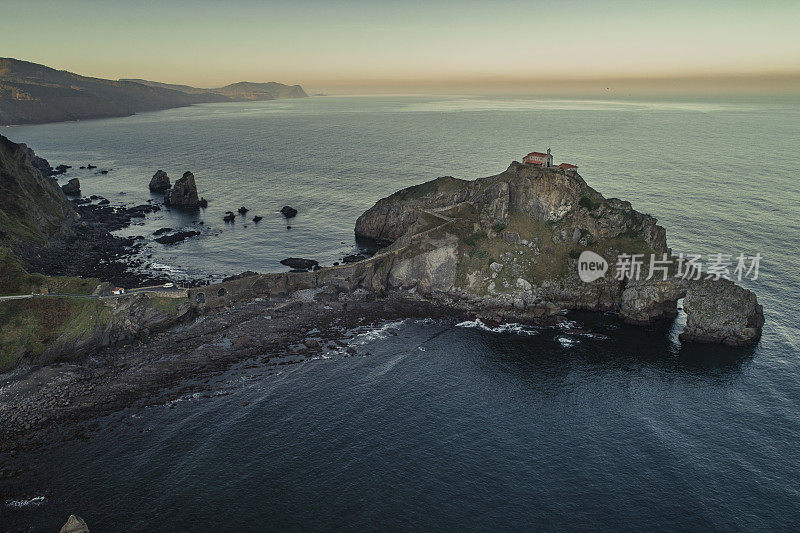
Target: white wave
point(513, 327)
point(377, 333)
point(166, 268)
point(567, 342)
point(185, 398)
point(36, 500)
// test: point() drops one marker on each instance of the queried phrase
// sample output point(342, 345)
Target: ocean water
point(455, 426)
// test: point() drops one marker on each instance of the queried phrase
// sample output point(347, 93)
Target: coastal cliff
point(33, 208)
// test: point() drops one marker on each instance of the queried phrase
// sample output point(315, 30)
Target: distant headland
point(33, 94)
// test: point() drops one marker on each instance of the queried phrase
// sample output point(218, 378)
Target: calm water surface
point(450, 426)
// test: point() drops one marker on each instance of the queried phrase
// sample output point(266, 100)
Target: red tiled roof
point(540, 154)
point(567, 165)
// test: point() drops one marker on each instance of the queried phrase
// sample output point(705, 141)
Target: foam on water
point(513, 327)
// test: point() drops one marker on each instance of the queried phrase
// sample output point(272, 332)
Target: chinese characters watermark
point(592, 266)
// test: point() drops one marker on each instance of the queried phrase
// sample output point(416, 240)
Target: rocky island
point(504, 248)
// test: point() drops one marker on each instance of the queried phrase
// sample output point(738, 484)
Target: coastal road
point(177, 291)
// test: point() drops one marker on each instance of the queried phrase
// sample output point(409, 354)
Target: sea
point(451, 426)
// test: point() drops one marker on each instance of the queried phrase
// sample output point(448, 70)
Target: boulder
point(298, 263)
point(75, 524)
point(72, 187)
point(242, 210)
point(288, 211)
point(159, 182)
point(183, 194)
point(230, 217)
point(257, 219)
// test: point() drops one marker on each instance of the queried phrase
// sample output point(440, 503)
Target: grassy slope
point(28, 327)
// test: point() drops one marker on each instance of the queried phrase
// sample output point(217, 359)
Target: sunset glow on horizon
point(441, 45)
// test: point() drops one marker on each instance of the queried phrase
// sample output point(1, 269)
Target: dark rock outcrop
point(353, 258)
point(33, 208)
point(242, 210)
point(72, 187)
point(176, 237)
point(288, 211)
point(183, 194)
point(299, 263)
point(75, 524)
point(257, 219)
point(159, 182)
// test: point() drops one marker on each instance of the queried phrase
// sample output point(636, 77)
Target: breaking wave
point(519, 329)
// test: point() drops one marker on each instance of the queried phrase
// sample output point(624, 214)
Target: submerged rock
point(160, 182)
point(288, 211)
point(257, 219)
point(242, 210)
point(183, 194)
point(177, 237)
point(72, 187)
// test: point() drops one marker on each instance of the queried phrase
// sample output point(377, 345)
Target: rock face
point(75, 524)
point(183, 194)
point(72, 187)
point(160, 182)
point(33, 207)
point(507, 246)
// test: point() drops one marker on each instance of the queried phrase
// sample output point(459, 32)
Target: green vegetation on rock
point(29, 327)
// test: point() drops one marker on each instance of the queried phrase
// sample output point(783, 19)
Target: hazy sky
point(337, 46)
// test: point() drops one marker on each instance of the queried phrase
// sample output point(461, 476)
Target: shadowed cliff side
point(33, 207)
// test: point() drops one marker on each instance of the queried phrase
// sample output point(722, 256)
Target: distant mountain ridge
point(241, 91)
point(31, 94)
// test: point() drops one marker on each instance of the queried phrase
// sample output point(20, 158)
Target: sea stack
point(183, 194)
point(159, 182)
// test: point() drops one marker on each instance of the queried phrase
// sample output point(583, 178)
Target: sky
point(405, 46)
